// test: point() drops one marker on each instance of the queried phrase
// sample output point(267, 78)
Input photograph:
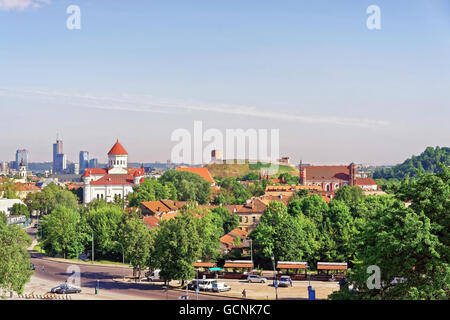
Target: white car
point(256, 278)
point(220, 287)
point(284, 281)
point(206, 284)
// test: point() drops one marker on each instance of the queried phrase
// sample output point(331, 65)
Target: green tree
point(15, 269)
point(106, 222)
point(427, 162)
point(281, 235)
point(401, 243)
point(9, 188)
point(227, 220)
point(137, 242)
point(342, 229)
point(232, 191)
point(152, 190)
point(51, 197)
point(177, 246)
point(19, 209)
point(189, 186)
point(349, 194)
point(63, 232)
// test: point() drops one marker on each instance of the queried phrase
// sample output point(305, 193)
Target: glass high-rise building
point(84, 160)
point(21, 155)
point(58, 157)
point(93, 163)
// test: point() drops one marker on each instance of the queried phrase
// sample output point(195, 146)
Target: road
point(57, 271)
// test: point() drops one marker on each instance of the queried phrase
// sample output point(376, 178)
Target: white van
point(206, 284)
point(220, 287)
point(154, 275)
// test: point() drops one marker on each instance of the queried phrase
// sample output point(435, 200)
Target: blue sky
point(138, 70)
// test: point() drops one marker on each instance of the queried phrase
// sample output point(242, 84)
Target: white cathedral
point(115, 181)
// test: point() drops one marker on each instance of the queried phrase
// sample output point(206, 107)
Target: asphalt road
point(89, 274)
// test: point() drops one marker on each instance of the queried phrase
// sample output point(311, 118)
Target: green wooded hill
point(427, 161)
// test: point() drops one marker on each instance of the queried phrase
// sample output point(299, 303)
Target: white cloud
point(20, 5)
point(147, 103)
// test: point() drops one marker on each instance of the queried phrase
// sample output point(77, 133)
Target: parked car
point(154, 275)
point(193, 285)
point(206, 284)
point(220, 287)
point(65, 289)
point(284, 281)
point(256, 278)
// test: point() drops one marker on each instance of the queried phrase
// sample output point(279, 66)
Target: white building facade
point(116, 181)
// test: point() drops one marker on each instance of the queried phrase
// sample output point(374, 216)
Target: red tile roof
point(26, 186)
point(201, 171)
point(327, 172)
point(291, 265)
point(331, 266)
point(94, 171)
point(151, 221)
point(238, 232)
point(204, 264)
point(115, 179)
point(238, 264)
point(228, 240)
point(117, 149)
point(365, 182)
point(156, 206)
point(173, 205)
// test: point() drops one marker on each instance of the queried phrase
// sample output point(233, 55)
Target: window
point(254, 219)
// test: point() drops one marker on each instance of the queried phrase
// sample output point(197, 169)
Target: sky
point(138, 70)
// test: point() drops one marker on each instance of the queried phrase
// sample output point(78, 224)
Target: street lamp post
point(196, 287)
point(123, 258)
point(92, 244)
point(275, 278)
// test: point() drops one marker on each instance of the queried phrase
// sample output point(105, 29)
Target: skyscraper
point(21, 155)
point(84, 160)
point(93, 163)
point(60, 163)
point(59, 159)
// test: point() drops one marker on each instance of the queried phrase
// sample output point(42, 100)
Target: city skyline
point(338, 92)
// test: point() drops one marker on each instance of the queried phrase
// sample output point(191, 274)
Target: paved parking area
point(262, 291)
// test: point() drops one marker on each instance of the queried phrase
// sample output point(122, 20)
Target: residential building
point(249, 214)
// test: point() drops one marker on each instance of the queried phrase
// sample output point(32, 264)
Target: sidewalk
point(69, 261)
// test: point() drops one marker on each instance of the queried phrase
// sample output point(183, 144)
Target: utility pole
point(92, 244)
point(123, 258)
point(251, 250)
point(275, 278)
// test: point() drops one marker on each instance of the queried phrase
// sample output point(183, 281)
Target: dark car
point(65, 289)
point(193, 285)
